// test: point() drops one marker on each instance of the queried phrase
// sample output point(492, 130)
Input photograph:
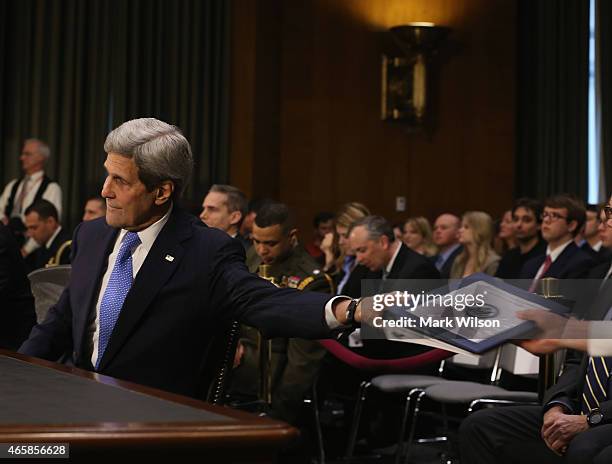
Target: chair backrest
point(219, 362)
point(47, 285)
point(488, 361)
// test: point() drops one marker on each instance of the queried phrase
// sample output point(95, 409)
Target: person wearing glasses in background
point(574, 422)
point(562, 218)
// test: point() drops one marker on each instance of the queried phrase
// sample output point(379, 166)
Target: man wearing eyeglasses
point(572, 425)
point(562, 219)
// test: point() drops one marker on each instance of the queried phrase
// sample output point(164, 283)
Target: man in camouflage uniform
point(295, 362)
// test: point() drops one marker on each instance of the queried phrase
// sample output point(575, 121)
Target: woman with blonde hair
point(339, 259)
point(475, 235)
point(417, 236)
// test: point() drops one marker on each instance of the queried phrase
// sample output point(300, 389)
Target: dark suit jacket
point(569, 387)
point(408, 265)
point(599, 256)
point(599, 271)
point(448, 264)
point(193, 278)
point(572, 263)
point(512, 262)
point(411, 266)
point(17, 315)
point(41, 256)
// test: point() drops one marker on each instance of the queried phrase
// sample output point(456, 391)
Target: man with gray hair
point(224, 207)
point(389, 262)
point(32, 186)
point(375, 247)
point(151, 285)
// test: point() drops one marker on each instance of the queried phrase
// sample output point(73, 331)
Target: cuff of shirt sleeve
point(566, 407)
point(331, 320)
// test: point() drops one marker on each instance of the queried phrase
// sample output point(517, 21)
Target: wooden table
point(103, 418)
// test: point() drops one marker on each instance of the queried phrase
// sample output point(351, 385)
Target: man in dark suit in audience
point(562, 218)
point(395, 267)
point(446, 238)
point(224, 207)
point(152, 285)
point(43, 226)
point(17, 314)
point(376, 248)
point(526, 214)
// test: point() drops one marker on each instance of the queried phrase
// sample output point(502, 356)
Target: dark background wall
point(305, 104)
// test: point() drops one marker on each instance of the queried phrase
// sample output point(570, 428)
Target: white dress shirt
point(393, 258)
point(53, 194)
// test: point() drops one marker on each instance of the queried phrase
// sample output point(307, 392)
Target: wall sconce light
point(406, 78)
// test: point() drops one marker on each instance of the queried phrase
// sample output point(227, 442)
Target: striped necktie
point(595, 389)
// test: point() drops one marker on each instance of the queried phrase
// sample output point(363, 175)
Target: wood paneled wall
point(306, 103)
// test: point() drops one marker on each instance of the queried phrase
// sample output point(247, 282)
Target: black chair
point(47, 285)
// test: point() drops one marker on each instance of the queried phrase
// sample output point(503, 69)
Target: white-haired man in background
point(33, 185)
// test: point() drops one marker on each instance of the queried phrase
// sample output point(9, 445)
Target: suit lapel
point(154, 273)
point(398, 264)
point(557, 269)
point(95, 266)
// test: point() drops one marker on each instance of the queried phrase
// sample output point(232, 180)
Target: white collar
point(392, 260)
point(149, 235)
point(597, 246)
point(38, 175)
point(555, 254)
point(50, 241)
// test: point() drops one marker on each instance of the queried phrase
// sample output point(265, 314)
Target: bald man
point(446, 238)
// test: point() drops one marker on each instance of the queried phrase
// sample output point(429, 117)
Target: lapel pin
point(169, 258)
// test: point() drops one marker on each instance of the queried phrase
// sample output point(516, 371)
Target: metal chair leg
point(361, 396)
point(400, 442)
point(446, 429)
point(415, 415)
point(314, 404)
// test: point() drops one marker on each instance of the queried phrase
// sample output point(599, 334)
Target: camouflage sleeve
point(321, 282)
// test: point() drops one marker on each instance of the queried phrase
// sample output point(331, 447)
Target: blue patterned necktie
point(117, 289)
point(596, 383)
point(347, 267)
